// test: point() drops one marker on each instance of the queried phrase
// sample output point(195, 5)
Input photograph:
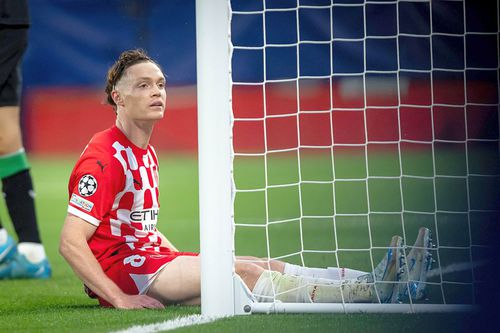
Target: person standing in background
point(27, 259)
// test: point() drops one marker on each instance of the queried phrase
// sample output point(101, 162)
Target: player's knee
point(248, 272)
point(9, 143)
point(4, 144)
point(276, 265)
point(10, 130)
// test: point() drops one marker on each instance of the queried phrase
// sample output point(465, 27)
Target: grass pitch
point(59, 304)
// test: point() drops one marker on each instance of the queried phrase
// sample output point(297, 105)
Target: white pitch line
point(458, 267)
point(168, 325)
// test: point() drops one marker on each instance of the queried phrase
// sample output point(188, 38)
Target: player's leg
point(10, 131)
point(178, 282)
point(330, 273)
point(273, 265)
point(30, 259)
point(273, 285)
point(13, 43)
point(373, 287)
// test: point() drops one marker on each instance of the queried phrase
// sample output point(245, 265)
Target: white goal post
point(214, 144)
point(222, 291)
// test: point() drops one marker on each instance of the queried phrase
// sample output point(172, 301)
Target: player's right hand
point(129, 302)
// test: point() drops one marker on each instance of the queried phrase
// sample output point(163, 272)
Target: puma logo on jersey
point(138, 183)
point(99, 163)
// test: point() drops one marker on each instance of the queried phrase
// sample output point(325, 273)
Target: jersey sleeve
point(93, 187)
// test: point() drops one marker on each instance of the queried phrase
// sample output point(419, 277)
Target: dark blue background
point(73, 42)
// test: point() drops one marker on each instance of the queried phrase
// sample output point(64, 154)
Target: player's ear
point(117, 97)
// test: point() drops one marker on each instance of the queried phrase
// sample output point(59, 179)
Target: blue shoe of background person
point(7, 250)
point(21, 268)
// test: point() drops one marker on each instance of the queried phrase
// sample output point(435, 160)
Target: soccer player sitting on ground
point(110, 235)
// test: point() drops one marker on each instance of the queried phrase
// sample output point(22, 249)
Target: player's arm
point(74, 248)
point(166, 243)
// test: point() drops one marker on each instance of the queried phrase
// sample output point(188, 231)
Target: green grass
point(59, 304)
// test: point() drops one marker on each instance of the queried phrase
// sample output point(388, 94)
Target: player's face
point(142, 92)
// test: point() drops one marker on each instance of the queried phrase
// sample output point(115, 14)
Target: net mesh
point(357, 120)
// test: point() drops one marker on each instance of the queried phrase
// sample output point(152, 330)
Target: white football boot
point(387, 273)
point(419, 262)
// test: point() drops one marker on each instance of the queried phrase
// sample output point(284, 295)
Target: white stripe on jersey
point(86, 217)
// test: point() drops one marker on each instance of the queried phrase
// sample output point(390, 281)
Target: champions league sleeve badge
point(87, 185)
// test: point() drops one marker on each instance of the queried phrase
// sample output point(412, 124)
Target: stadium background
point(72, 43)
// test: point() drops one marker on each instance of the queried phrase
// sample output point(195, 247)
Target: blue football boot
point(7, 250)
point(21, 268)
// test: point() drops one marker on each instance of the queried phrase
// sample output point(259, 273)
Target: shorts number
point(134, 260)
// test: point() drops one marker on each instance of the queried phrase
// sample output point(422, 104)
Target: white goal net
point(352, 121)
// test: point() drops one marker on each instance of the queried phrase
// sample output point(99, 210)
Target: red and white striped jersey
point(114, 186)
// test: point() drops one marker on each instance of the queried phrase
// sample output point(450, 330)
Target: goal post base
point(243, 298)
